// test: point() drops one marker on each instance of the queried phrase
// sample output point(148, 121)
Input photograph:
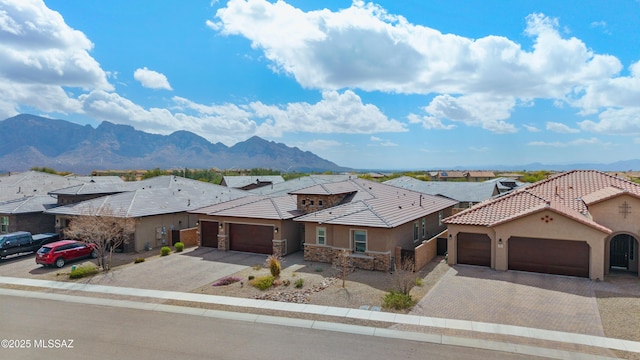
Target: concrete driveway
point(542, 301)
point(183, 271)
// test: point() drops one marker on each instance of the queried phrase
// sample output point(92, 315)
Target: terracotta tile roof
point(480, 174)
point(564, 194)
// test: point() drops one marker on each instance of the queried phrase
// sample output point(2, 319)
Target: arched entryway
point(623, 253)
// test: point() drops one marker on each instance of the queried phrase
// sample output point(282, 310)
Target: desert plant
point(397, 300)
point(165, 250)
point(263, 282)
point(138, 260)
point(319, 269)
point(299, 283)
point(251, 277)
point(179, 246)
point(419, 281)
point(82, 271)
point(286, 282)
point(273, 263)
point(227, 280)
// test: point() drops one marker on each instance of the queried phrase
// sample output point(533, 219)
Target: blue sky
point(387, 84)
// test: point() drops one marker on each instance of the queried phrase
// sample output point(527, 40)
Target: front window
point(359, 241)
point(424, 228)
point(440, 218)
point(321, 236)
point(4, 224)
point(415, 231)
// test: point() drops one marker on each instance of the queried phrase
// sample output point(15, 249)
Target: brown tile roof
point(255, 206)
point(567, 193)
point(481, 174)
point(379, 205)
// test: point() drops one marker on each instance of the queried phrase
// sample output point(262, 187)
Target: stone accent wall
point(223, 242)
point(367, 261)
point(327, 202)
point(280, 247)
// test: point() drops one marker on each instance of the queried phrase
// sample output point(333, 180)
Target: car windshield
point(44, 250)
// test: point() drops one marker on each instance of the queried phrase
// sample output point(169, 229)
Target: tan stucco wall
point(537, 225)
point(146, 229)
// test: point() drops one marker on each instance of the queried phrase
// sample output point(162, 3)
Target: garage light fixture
point(220, 226)
point(275, 229)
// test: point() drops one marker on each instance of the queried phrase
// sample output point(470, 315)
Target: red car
point(59, 252)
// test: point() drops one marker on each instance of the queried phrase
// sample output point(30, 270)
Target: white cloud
point(480, 81)
point(561, 144)
point(560, 128)
point(429, 122)
point(531, 128)
point(375, 138)
point(319, 145)
point(381, 142)
point(151, 79)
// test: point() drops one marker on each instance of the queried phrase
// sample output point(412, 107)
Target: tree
point(104, 228)
point(343, 264)
point(404, 278)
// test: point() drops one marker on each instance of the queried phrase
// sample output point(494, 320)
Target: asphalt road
point(47, 329)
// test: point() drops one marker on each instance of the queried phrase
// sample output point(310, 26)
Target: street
point(47, 329)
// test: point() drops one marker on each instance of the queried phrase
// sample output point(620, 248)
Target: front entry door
point(622, 251)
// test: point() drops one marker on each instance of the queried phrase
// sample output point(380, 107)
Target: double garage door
point(562, 257)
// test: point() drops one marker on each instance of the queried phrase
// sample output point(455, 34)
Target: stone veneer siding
point(280, 247)
point(327, 202)
point(223, 242)
point(378, 261)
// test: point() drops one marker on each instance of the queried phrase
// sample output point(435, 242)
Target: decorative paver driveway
point(517, 298)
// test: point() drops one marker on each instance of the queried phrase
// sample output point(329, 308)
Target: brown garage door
point(562, 257)
point(209, 234)
point(474, 249)
point(251, 238)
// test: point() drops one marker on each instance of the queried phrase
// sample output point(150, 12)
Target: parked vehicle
point(23, 242)
point(60, 252)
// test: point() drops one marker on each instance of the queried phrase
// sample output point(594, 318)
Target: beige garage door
point(562, 257)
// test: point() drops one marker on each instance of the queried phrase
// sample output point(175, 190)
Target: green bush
point(179, 246)
point(82, 271)
point(273, 263)
point(397, 300)
point(138, 260)
point(263, 282)
point(251, 277)
point(419, 281)
point(165, 250)
point(299, 283)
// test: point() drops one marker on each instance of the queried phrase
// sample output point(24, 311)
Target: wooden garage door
point(251, 238)
point(474, 249)
point(562, 257)
point(209, 234)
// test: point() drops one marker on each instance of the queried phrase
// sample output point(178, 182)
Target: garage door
point(474, 249)
point(562, 257)
point(251, 238)
point(209, 234)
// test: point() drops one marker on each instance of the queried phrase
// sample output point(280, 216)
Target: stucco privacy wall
point(537, 225)
point(146, 229)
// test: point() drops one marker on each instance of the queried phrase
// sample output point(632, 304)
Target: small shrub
point(286, 282)
point(251, 277)
point(165, 250)
point(397, 300)
point(138, 260)
point(263, 282)
point(273, 263)
point(179, 246)
point(228, 280)
point(319, 269)
point(299, 283)
point(82, 271)
point(419, 281)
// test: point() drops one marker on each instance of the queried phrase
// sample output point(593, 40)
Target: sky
point(389, 84)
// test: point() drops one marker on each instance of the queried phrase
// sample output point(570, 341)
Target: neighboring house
point(91, 190)
point(26, 214)
point(255, 223)
point(479, 175)
point(451, 176)
point(466, 194)
point(578, 223)
point(288, 186)
point(370, 221)
point(30, 183)
point(160, 205)
point(250, 182)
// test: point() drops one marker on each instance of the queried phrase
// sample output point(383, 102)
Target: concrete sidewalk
point(391, 318)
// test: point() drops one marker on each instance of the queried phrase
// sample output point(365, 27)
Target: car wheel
point(59, 262)
point(94, 254)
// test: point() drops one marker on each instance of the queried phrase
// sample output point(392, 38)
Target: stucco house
point(578, 223)
point(160, 206)
point(370, 220)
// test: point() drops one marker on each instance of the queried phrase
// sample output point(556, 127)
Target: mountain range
point(28, 141)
